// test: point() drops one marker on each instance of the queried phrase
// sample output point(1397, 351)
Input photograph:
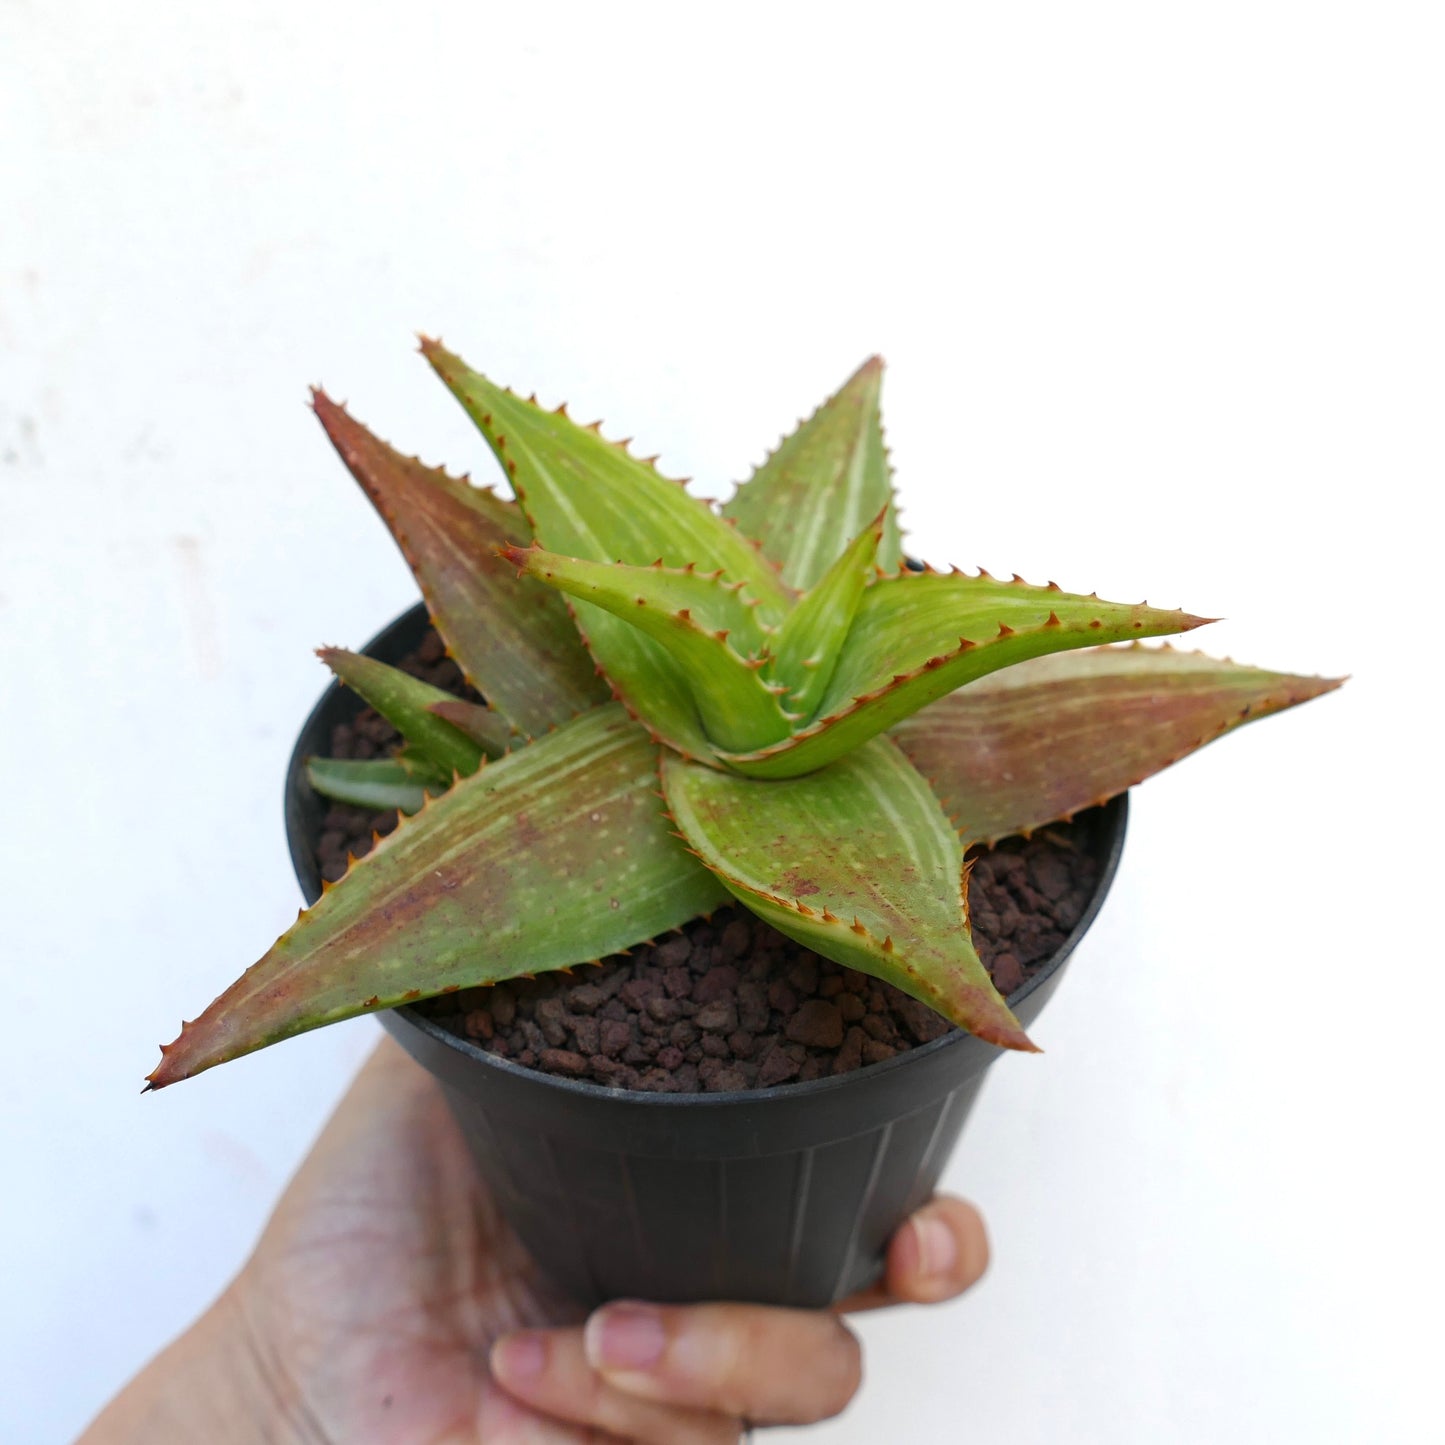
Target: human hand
point(388, 1303)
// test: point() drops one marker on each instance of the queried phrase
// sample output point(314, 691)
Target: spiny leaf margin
point(513, 640)
point(890, 666)
point(589, 497)
point(728, 694)
point(1040, 741)
point(807, 645)
point(856, 861)
point(405, 702)
point(483, 884)
point(822, 483)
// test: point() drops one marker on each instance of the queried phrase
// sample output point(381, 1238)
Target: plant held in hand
point(684, 702)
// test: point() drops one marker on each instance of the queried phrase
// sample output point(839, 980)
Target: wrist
point(256, 1380)
point(213, 1383)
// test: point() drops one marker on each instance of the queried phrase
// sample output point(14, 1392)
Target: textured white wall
point(1160, 287)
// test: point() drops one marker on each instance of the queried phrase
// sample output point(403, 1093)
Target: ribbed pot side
point(786, 1195)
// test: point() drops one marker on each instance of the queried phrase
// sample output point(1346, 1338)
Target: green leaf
point(557, 854)
point(377, 783)
point(404, 701)
point(918, 636)
point(820, 487)
point(486, 727)
point(591, 498)
point(729, 695)
point(856, 861)
point(807, 645)
point(714, 603)
point(513, 640)
point(1037, 742)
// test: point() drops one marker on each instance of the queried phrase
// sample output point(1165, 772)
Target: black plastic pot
point(785, 1195)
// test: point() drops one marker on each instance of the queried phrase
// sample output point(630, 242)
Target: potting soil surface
point(726, 1003)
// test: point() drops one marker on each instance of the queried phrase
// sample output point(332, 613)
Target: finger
point(941, 1251)
point(549, 1371)
point(502, 1420)
point(770, 1366)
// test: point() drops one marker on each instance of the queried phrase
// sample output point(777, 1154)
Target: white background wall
point(1160, 289)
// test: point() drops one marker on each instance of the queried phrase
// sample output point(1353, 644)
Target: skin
point(387, 1303)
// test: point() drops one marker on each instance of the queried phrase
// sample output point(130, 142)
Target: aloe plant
point(684, 703)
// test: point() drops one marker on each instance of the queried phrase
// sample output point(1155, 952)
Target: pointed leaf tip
point(404, 701)
point(883, 670)
point(863, 838)
point(520, 649)
point(694, 630)
point(1049, 737)
point(822, 483)
point(807, 645)
point(450, 899)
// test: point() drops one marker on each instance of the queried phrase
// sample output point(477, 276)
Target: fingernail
point(624, 1337)
point(519, 1357)
point(937, 1247)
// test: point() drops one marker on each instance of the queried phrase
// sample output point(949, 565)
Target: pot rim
point(1113, 817)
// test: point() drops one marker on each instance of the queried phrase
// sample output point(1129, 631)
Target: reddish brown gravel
point(727, 1003)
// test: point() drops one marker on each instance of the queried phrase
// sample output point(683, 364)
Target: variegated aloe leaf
point(917, 636)
point(726, 689)
point(805, 650)
point(1037, 742)
point(405, 702)
point(590, 498)
point(378, 783)
point(856, 861)
point(512, 640)
point(714, 603)
point(819, 489)
point(557, 854)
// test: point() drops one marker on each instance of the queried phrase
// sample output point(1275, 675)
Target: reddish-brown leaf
point(511, 637)
point(1038, 741)
point(557, 854)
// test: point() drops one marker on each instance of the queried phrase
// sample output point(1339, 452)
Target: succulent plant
point(685, 703)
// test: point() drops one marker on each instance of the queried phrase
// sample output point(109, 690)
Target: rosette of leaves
point(685, 703)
